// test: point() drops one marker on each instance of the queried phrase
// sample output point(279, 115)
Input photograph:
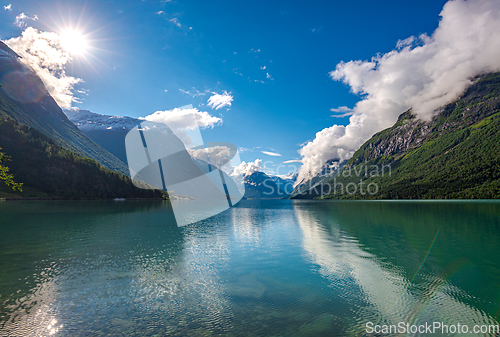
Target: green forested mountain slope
point(455, 155)
point(49, 171)
point(24, 98)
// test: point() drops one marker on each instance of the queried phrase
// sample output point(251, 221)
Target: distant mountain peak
point(87, 120)
point(259, 185)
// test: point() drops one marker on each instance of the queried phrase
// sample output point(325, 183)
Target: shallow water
point(263, 268)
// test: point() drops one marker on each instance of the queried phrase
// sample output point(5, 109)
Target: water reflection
point(278, 267)
point(83, 263)
point(365, 242)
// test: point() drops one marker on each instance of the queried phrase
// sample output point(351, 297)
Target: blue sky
point(144, 52)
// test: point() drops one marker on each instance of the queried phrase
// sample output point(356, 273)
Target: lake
point(262, 268)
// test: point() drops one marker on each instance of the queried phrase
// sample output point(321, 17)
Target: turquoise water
point(263, 268)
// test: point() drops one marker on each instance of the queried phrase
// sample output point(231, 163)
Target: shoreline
point(97, 199)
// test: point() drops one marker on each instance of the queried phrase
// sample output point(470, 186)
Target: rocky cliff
point(454, 155)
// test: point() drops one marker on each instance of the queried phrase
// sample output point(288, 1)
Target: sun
point(74, 42)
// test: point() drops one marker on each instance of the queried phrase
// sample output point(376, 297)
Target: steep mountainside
point(330, 169)
point(455, 155)
point(24, 98)
point(285, 183)
point(107, 131)
point(50, 171)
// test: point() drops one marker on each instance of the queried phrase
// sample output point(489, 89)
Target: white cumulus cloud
point(184, 119)
point(216, 155)
point(217, 101)
point(245, 169)
point(21, 18)
point(8, 7)
point(423, 73)
point(44, 53)
point(185, 123)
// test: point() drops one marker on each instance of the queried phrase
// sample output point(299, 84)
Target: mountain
point(110, 131)
point(455, 155)
point(50, 171)
point(106, 130)
point(24, 98)
point(285, 182)
point(259, 185)
point(330, 169)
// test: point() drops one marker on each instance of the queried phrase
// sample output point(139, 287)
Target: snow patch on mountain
point(87, 120)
